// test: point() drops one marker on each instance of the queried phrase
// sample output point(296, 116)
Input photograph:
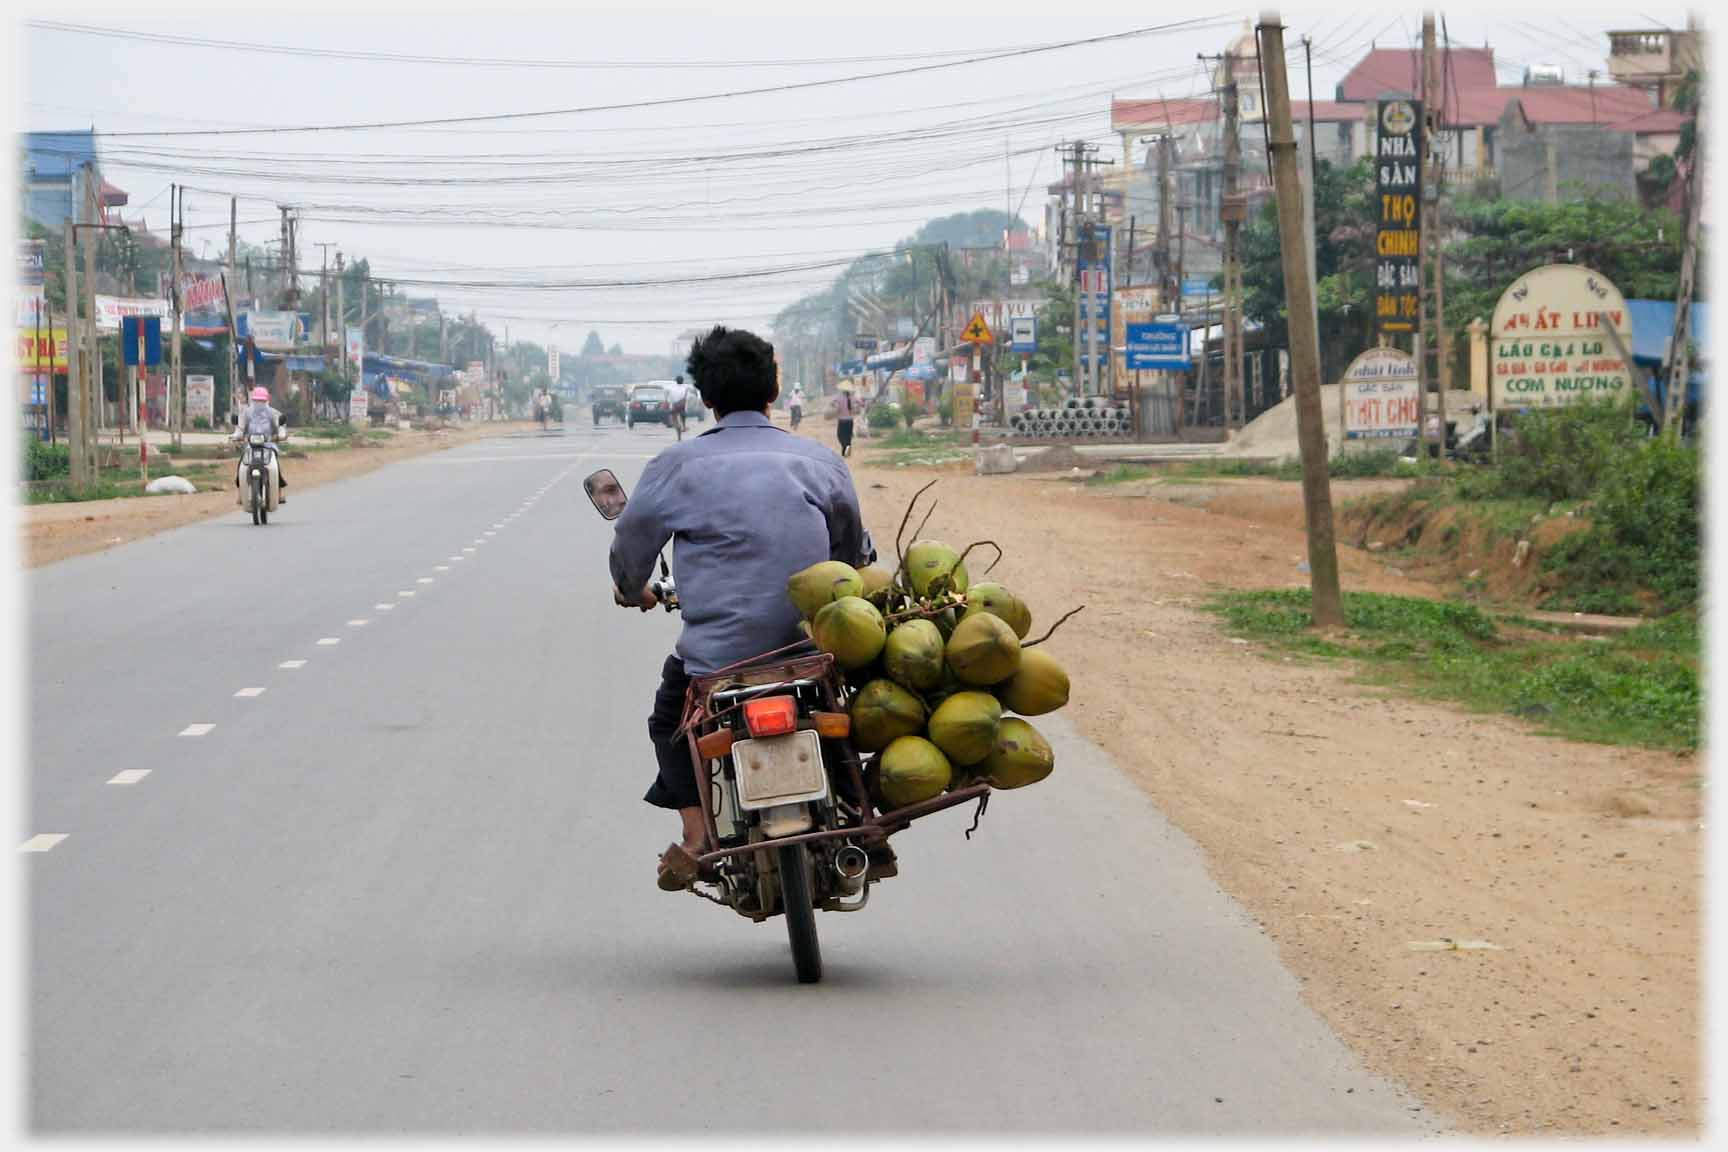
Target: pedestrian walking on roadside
point(845, 410)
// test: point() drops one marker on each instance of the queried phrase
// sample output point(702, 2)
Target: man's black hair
point(734, 370)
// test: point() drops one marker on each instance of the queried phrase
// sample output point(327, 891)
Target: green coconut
point(882, 713)
point(912, 769)
point(983, 650)
point(913, 655)
point(1021, 756)
point(876, 580)
point(851, 629)
point(822, 584)
point(1038, 686)
point(933, 567)
point(998, 601)
point(964, 726)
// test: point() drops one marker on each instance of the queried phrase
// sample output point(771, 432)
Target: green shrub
point(911, 410)
point(945, 411)
point(1644, 531)
point(882, 418)
point(44, 461)
point(1567, 453)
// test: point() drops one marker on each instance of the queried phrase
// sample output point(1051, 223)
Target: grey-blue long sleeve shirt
point(745, 506)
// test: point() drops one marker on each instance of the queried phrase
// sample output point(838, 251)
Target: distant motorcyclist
point(678, 398)
point(260, 419)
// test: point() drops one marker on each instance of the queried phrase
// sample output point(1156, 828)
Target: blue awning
point(1653, 328)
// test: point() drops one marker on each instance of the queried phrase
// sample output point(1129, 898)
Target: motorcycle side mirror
point(606, 494)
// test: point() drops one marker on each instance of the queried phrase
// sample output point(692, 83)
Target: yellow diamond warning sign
point(977, 332)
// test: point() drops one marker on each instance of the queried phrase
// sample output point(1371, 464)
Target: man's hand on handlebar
point(645, 601)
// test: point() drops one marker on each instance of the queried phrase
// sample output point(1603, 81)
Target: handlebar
point(666, 592)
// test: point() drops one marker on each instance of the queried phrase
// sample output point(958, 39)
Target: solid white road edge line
point(43, 842)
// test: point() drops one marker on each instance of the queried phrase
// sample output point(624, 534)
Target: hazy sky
point(528, 213)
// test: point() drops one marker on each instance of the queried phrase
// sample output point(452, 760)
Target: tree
point(593, 346)
point(615, 350)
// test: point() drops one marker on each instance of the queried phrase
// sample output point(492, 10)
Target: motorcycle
point(792, 820)
point(260, 487)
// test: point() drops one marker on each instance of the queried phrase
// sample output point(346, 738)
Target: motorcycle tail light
point(832, 725)
point(715, 744)
point(771, 716)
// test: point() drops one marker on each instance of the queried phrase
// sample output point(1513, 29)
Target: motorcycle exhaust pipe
point(851, 863)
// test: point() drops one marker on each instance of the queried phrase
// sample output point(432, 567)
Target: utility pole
point(1431, 110)
point(1425, 227)
point(342, 322)
point(233, 334)
point(1164, 269)
point(74, 367)
point(1328, 605)
point(176, 381)
point(96, 397)
point(1680, 346)
point(1235, 209)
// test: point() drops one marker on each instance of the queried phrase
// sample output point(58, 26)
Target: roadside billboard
point(43, 350)
point(111, 310)
point(201, 398)
point(1559, 335)
point(1380, 396)
point(1398, 237)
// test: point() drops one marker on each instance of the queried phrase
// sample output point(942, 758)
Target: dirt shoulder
point(1354, 824)
point(54, 532)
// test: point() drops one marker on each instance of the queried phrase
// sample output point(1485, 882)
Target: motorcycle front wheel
point(799, 907)
point(257, 503)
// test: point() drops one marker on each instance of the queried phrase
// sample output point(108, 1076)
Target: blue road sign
point(1023, 334)
point(1198, 286)
point(141, 339)
point(1159, 347)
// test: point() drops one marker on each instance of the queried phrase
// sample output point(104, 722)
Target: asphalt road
point(407, 885)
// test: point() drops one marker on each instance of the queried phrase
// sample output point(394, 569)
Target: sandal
point(678, 869)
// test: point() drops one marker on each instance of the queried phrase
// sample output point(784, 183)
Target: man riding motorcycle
point(745, 505)
point(260, 419)
point(796, 404)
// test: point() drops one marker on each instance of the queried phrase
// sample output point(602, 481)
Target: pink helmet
point(262, 395)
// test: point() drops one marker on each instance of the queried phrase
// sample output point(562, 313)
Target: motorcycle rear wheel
point(799, 907)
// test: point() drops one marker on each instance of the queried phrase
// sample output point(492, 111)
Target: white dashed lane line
point(406, 594)
point(383, 607)
point(291, 665)
point(424, 580)
point(329, 642)
point(359, 623)
point(440, 567)
point(42, 842)
point(197, 729)
point(130, 776)
point(248, 693)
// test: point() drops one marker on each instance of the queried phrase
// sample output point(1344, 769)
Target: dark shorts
point(844, 429)
point(675, 785)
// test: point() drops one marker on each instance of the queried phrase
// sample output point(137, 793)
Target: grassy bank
point(1641, 688)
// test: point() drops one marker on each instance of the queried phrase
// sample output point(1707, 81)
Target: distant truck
point(608, 400)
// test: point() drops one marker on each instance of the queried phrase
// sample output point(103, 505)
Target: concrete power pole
point(1431, 101)
point(1328, 604)
point(1234, 210)
point(176, 380)
point(96, 396)
point(342, 322)
point(74, 367)
point(1679, 367)
point(233, 335)
point(1425, 228)
point(1168, 292)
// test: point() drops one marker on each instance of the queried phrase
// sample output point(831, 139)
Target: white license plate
point(779, 770)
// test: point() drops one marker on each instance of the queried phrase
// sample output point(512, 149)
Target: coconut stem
point(968, 552)
point(1025, 644)
point(899, 552)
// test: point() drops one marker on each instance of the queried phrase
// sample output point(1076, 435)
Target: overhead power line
point(179, 41)
point(1191, 24)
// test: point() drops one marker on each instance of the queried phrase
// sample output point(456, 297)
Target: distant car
point(649, 404)
point(608, 400)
